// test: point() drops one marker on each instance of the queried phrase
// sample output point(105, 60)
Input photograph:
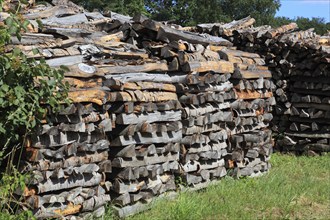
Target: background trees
point(192, 12)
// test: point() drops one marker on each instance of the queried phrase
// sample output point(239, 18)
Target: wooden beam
point(215, 66)
point(252, 95)
point(171, 34)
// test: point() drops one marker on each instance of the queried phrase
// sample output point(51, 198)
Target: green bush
point(27, 86)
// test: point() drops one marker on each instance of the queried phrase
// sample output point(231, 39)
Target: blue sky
point(305, 8)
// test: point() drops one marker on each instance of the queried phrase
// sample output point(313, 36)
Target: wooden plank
point(82, 70)
point(44, 165)
point(146, 127)
point(134, 161)
point(216, 66)
point(127, 119)
point(85, 180)
point(143, 86)
point(83, 83)
point(147, 67)
point(202, 165)
point(126, 55)
point(226, 53)
point(147, 138)
point(252, 95)
point(182, 88)
point(248, 74)
point(280, 30)
point(67, 61)
point(100, 97)
point(171, 34)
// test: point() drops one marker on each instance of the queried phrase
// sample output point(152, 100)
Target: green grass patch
point(295, 188)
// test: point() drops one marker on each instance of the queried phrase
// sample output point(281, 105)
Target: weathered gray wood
point(170, 34)
point(73, 161)
point(146, 127)
point(147, 138)
point(148, 117)
point(71, 182)
point(121, 162)
point(64, 138)
point(203, 129)
point(148, 67)
point(139, 207)
point(196, 165)
point(68, 20)
point(67, 61)
point(193, 111)
point(180, 88)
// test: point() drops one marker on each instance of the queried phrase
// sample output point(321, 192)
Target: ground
point(295, 188)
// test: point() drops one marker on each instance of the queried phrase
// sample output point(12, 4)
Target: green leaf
point(5, 88)
point(35, 51)
point(65, 68)
point(9, 21)
point(39, 23)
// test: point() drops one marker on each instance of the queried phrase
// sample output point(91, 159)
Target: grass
point(295, 188)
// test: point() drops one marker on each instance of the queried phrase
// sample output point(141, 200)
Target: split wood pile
point(299, 61)
point(68, 160)
point(151, 104)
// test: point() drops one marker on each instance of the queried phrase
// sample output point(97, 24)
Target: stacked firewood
point(153, 103)
point(251, 140)
point(145, 141)
point(206, 98)
point(309, 104)
point(299, 62)
point(68, 158)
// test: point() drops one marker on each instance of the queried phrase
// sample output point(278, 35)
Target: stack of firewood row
point(152, 103)
point(309, 105)
point(206, 101)
point(299, 62)
point(68, 159)
point(251, 141)
point(299, 65)
point(145, 140)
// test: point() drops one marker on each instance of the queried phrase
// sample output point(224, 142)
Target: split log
point(252, 95)
point(216, 66)
point(170, 34)
point(148, 117)
point(134, 161)
point(148, 67)
point(147, 138)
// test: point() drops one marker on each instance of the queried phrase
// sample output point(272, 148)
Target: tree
point(126, 7)
point(194, 11)
point(318, 24)
point(261, 10)
point(26, 86)
point(187, 12)
point(279, 21)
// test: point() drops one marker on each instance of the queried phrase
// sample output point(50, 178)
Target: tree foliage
point(126, 7)
point(261, 10)
point(26, 87)
point(319, 24)
point(192, 12)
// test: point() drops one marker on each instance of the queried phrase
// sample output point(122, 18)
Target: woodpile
point(299, 62)
point(68, 160)
point(155, 105)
